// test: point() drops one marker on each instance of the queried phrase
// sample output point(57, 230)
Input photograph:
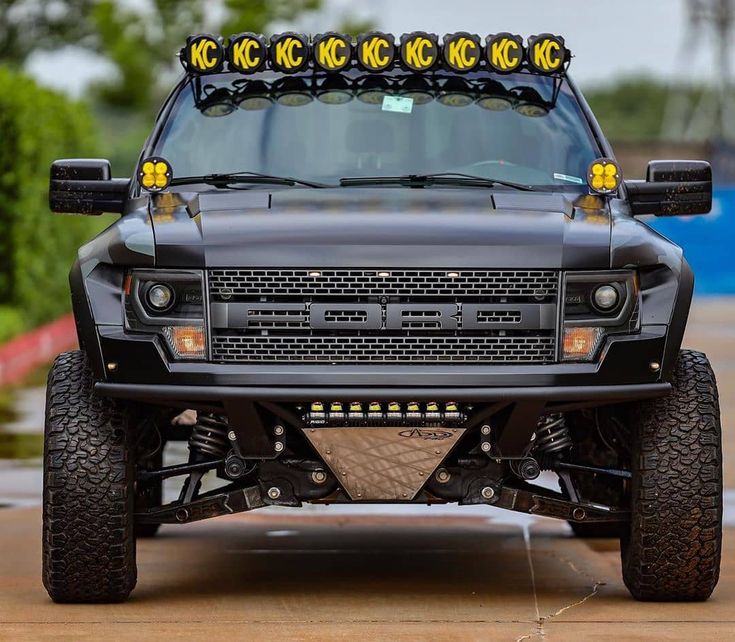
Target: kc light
point(504, 52)
point(203, 54)
point(581, 344)
point(604, 176)
point(160, 297)
point(606, 298)
point(289, 52)
point(376, 51)
point(154, 174)
point(419, 50)
point(462, 51)
point(332, 51)
point(247, 53)
point(547, 53)
point(186, 342)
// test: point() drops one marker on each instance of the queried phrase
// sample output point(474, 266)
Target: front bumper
point(142, 360)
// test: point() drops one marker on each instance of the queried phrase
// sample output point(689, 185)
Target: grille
point(226, 284)
point(281, 335)
point(371, 349)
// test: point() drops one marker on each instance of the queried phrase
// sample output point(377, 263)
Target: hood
point(376, 227)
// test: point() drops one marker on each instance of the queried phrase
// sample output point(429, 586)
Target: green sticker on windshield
point(398, 104)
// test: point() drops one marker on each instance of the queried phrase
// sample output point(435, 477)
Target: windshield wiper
point(427, 180)
point(245, 178)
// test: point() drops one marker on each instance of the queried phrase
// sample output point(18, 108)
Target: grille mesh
point(289, 338)
point(224, 284)
point(371, 349)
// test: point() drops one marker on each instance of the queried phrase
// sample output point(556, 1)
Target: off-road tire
point(672, 550)
point(88, 542)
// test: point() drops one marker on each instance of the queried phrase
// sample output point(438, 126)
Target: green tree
point(29, 25)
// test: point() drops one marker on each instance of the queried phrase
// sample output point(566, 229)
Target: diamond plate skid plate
point(383, 463)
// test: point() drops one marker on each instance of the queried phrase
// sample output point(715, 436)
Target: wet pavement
point(383, 573)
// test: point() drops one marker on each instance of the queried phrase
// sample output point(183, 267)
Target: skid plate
point(383, 463)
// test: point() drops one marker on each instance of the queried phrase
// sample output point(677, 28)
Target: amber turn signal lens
point(187, 341)
point(580, 344)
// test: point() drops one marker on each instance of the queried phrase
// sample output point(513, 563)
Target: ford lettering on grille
point(401, 316)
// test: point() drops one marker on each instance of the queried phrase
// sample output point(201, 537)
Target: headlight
point(160, 297)
point(606, 298)
point(597, 304)
point(169, 303)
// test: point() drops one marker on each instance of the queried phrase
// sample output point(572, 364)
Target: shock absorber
point(552, 440)
point(209, 438)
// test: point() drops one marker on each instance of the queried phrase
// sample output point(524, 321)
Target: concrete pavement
point(393, 573)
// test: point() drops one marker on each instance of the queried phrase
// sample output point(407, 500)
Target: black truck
point(379, 270)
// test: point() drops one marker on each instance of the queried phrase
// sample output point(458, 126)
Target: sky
point(609, 38)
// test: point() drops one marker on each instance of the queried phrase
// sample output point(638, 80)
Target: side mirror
point(672, 188)
point(85, 186)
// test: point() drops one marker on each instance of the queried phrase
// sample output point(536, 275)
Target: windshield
point(523, 128)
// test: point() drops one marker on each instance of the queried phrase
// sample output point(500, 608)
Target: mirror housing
point(85, 186)
point(672, 188)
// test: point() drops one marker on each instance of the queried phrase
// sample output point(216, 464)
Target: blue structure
point(708, 242)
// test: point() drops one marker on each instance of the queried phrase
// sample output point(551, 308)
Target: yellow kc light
point(154, 174)
point(604, 176)
point(289, 52)
point(462, 51)
point(376, 51)
point(419, 50)
point(504, 52)
point(247, 52)
point(204, 54)
point(547, 53)
point(332, 51)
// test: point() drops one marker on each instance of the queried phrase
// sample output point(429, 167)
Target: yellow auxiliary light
point(203, 54)
point(547, 53)
point(376, 51)
point(504, 52)
point(419, 50)
point(462, 51)
point(154, 174)
point(332, 51)
point(289, 52)
point(247, 52)
point(604, 176)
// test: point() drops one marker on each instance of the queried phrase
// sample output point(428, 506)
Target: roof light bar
point(375, 51)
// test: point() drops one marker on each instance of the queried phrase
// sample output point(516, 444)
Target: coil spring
point(552, 436)
point(209, 436)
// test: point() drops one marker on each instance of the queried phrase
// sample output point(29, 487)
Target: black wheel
point(149, 495)
point(672, 550)
point(88, 543)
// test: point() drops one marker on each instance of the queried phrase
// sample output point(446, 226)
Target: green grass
point(21, 445)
